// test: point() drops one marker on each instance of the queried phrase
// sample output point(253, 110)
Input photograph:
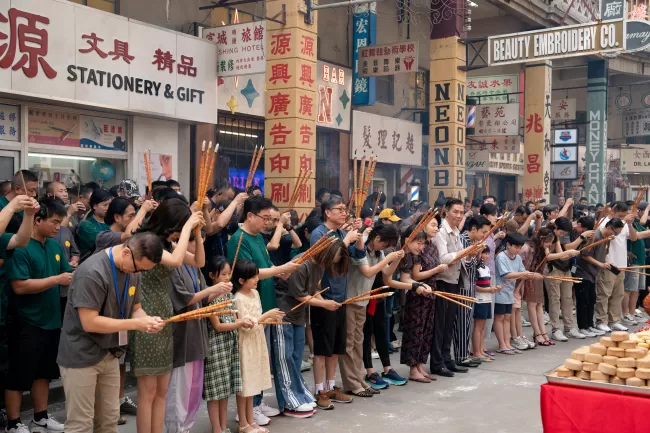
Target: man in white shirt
point(609, 287)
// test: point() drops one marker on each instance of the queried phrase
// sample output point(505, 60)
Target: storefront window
point(237, 138)
point(327, 159)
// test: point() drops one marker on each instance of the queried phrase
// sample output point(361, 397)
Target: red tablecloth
point(567, 409)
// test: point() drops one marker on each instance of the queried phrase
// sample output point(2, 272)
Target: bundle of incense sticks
point(595, 244)
point(640, 195)
point(366, 294)
point(445, 296)
point(257, 155)
point(367, 298)
point(633, 272)
point(500, 222)
point(206, 168)
point(204, 310)
point(602, 216)
point(565, 279)
point(303, 177)
point(316, 249)
point(361, 181)
point(460, 297)
point(470, 251)
point(577, 185)
point(471, 193)
point(202, 316)
point(234, 261)
point(636, 267)
point(147, 170)
point(309, 298)
point(486, 178)
point(351, 202)
point(374, 209)
point(426, 219)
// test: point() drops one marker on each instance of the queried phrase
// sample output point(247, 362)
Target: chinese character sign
point(501, 144)
point(397, 58)
point(496, 119)
point(635, 160)
point(9, 123)
point(636, 123)
point(240, 48)
point(563, 109)
point(364, 27)
point(494, 88)
point(334, 96)
point(391, 140)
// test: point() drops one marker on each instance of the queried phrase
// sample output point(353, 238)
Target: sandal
point(422, 379)
point(548, 340)
point(364, 393)
point(544, 343)
point(506, 351)
point(121, 421)
point(259, 429)
point(485, 359)
point(246, 429)
point(487, 352)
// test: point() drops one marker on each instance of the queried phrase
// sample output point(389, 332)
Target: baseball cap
point(389, 214)
point(130, 188)
point(643, 205)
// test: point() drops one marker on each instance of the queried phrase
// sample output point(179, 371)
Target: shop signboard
point(559, 42)
point(66, 52)
point(390, 59)
point(636, 123)
point(635, 160)
point(364, 28)
point(161, 169)
point(637, 35)
point(565, 136)
point(565, 154)
point(503, 143)
point(496, 119)
point(9, 122)
point(477, 160)
point(390, 140)
point(244, 95)
point(564, 171)
point(494, 88)
point(240, 48)
point(563, 109)
point(334, 93)
point(612, 9)
point(237, 177)
point(503, 163)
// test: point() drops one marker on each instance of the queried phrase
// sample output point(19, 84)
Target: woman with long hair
point(94, 222)
point(151, 355)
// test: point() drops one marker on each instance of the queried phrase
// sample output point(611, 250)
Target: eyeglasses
point(265, 218)
point(135, 267)
point(340, 208)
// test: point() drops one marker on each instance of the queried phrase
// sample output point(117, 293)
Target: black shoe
point(442, 372)
point(456, 368)
point(468, 364)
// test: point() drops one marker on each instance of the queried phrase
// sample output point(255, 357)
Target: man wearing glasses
point(280, 237)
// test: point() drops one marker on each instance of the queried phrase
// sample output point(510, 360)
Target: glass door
point(9, 163)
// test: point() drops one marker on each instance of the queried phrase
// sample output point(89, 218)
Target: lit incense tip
point(203, 146)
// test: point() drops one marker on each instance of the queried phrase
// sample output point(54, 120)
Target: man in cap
point(388, 216)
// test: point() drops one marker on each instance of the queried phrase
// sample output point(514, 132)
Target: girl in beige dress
point(253, 354)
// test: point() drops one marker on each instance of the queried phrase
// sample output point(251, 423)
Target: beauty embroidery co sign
point(334, 96)
point(546, 44)
point(62, 51)
point(388, 59)
point(240, 48)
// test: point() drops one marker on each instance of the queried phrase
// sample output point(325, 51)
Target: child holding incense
point(482, 307)
point(253, 352)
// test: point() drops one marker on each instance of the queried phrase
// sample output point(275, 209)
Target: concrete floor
point(499, 397)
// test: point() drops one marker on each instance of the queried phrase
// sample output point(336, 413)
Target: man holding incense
point(636, 257)
point(449, 247)
point(24, 182)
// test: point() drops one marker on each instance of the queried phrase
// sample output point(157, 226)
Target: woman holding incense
point(295, 295)
point(188, 291)
point(365, 319)
point(535, 254)
point(152, 355)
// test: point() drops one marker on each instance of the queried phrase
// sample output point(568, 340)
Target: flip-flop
point(420, 379)
point(121, 421)
point(506, 352)
point(487, 352)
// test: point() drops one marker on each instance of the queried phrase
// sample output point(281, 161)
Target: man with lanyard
point(104, 304)
point(329, 327)
point(636, 257)
point(28, 188)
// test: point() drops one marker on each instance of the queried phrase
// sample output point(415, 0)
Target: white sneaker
point(259, 418)
point(558, 335)
point(574, 333)
point(20, 428)
point(597, 331)
point(587, 333)
point(313, 405)
point(46, 425)
point(302, 411)
point(629, 320)
point(525, 322)
point(374, 354)
point(546, 318)
point(397, 344)
point(531, 344)
point(518, 343)
point(604, 328)
point(268, 410)
point(638, 314)
point(618, 327)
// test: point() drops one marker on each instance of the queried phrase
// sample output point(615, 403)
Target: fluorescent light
point(78, 158)
point(237, 133)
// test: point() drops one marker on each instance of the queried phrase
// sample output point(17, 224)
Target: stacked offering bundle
point(321, 245)
point(303, 177)
point(426, 219)
point(147, 170)
point(201, 313)
point(206, 168)
point(257, 155)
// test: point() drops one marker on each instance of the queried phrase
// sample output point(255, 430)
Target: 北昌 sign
point(546, 44)
point(565, 136)
point(240, 48)
point(391, 140)
point(496, 119)
point(364, 23)
point(494, 88)
point(62, 51)
point(334, 96)
point(388, 59)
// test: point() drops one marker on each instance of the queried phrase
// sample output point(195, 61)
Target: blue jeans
point(287, 347)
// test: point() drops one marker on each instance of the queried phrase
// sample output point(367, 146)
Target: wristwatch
point(583, 238)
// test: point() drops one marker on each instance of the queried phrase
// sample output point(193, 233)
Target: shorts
point(483, 311)
point(329, 331)
point(634, 282)
point(502, 309)
point(32, 355)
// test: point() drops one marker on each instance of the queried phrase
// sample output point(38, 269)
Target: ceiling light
point(77, 158)
point(238, 133)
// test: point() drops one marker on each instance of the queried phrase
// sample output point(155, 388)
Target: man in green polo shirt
point(18, 188)
point(35, 273)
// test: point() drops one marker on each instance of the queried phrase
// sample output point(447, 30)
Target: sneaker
point(597, 331)
point(547, 319)
point(259, 418)
point(46, 425)
point(374, 354)
point(323, 400)
point(20, 428)
point(393, 378)
point(397, 344)
point(305, 366)
point(525, 322)
point(313, 405)
point(268, 410)
point(338, 396)
point(618, 327)
point(302, 411)
point(574, 333)
point(628, 319)
point(375, 381)
point(558, 335)
point(128, 407)
point(604, 328)
point(587, 333)
point(518, 343)
point(531, 344)
point(638, 314)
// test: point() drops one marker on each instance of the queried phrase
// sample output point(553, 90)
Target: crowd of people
point(89, 277)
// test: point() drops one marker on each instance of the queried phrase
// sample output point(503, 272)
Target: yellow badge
point(58, 258)
point(67, 244)
point(69, 224)
point(131, 290)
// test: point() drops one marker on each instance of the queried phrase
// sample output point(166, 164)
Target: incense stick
point(234, 262)
point(309, 298)
point(250, 170)
point(451, 300)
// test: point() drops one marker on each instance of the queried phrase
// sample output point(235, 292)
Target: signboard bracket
point(226, 4)
point(309, 16)
point(473, 43)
